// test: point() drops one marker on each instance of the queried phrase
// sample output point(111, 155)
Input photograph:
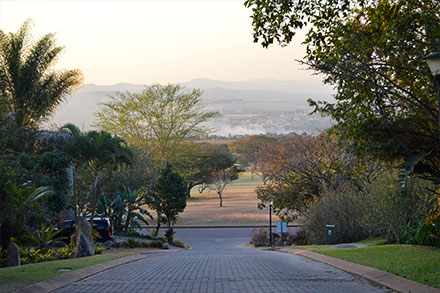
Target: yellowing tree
point(158, 120)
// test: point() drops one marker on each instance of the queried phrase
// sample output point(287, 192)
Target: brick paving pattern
point(228, 270)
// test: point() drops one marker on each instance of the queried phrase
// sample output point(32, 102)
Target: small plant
point(134, 234)
point(179, 243)
point(125, 210)
point(429, 232)
point(31, 255)
point(169, 235)
point(157, 243)
point(99, 250)
point(260, 237)
point(130, 243)
point(44, 237)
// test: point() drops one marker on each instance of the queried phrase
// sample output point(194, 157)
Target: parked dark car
point(101, 224)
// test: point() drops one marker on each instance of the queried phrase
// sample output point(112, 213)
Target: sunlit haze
point(156, 41)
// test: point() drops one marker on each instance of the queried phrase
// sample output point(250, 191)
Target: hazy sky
point(156, 41)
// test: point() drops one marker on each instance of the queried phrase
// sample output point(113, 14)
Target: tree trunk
point(190, 186)
point(158, 224)
point(221, 199)
point(5, 233)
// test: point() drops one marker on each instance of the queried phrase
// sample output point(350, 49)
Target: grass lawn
point(414, 262)
point(12, 279)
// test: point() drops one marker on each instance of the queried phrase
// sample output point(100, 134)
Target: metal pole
point(437, 77)
point(270, 224)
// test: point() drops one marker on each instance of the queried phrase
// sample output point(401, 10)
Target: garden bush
point(394, 215)
point(260, 237)
point(379, 209)
point(3, 258)
point(344, 210)
point(301, 237)
point(132, 243)
point(34, 255)
point(133, 233)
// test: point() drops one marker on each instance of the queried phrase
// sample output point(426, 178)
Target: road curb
point(383, 278)
point(77, 275)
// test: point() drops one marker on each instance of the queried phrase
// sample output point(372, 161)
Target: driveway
point(218, 263)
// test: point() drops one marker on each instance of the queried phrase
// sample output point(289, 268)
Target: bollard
point(329, 235)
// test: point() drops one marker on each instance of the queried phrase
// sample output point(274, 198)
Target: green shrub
point(32, 255)
point(396, 216)
point(44, 237)
point(133, 234)
point(131, 243)
point(345, 210)
point(429, 232)
point(157, 243)
point(99, 250)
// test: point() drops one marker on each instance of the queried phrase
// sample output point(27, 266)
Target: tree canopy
point(30, 89)
point(372, 53)
point(159, 119)
point(198, 162)
point(168, 196)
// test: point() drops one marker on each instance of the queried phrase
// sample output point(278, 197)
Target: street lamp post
point(270, 221)
point(433, 61)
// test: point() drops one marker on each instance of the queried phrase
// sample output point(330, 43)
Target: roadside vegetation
point(15, 278)
point(376, 171)
point(414, 262)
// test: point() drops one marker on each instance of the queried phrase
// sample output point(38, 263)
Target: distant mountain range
point(261, 97)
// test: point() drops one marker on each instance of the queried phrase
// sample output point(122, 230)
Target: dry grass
point(239, 206)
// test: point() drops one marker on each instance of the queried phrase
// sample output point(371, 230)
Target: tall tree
point(159, 119)
point(97, 151)
point(303, 169)
point(197, 163)
point(29, 88)
point(372, 52)
point(221, 178)
point(168, 197)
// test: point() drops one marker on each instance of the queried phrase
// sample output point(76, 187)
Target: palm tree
point(29, 89)
point(97, 151)
point(107, 152)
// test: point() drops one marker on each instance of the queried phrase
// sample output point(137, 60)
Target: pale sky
point(148, 41)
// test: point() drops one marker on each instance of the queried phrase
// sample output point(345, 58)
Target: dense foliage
point(30, 90)
point(168, 197)
point(29, 87)
point(372, 52)
point(158, 120)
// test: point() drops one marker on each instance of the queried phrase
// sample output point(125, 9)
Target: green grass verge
point(12, 279)
point(417, 263)
point(246, 177)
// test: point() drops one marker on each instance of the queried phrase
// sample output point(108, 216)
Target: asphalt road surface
point(217, 262)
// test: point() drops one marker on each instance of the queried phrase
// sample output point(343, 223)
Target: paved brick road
point(231, 269)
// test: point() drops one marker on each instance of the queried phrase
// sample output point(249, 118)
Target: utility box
point(329, 235)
